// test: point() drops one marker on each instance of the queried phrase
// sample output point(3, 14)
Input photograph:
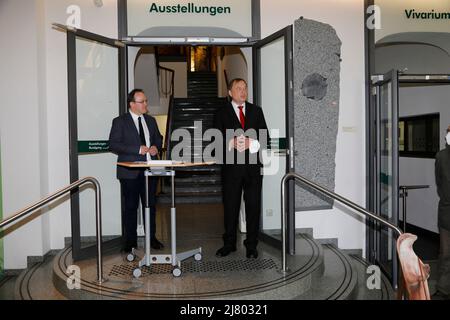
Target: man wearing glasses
point(135, 136)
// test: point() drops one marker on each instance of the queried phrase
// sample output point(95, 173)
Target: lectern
point(163, 168)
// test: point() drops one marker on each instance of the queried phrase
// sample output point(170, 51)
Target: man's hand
point(144, 150)
point(240, 143)
point(153, 151)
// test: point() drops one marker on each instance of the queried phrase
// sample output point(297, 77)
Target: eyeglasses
point(143, 101)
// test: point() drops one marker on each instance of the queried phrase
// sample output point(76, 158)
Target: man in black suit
point(241, 170)
point(442, 172)
point(135, 136)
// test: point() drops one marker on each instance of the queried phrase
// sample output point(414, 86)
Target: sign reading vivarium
point(412, 14)
point(193, 18)
point(408, 16)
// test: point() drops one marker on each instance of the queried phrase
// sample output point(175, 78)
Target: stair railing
point(226, 77)
point(330, 194)
point(167, 89)
point(98, 215)
point(166, 81)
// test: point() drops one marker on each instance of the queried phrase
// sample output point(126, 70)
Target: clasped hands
point(152, 150)
point(240, 143)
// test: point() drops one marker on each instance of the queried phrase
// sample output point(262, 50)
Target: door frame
point(79, 253)
point(374, 229)
point(287, 34)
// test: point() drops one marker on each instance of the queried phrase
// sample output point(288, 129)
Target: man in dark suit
point(135, 136)
point(241, 170)
point(442, 172)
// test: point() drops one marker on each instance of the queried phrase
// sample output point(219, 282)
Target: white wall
point(20, 125)
point(348, 20)
point(235, 64)
point(35, 155)
point(416, 58)
point(146, 77)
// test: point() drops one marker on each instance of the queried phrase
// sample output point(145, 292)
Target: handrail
point(98, 214)
point(170, 110)
point(332, 195)
point(226, 77)
point(167, 144)
point(164, 88)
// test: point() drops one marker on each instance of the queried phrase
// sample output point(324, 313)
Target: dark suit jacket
point(254, 119)
point(442, 172)
point(124, 141)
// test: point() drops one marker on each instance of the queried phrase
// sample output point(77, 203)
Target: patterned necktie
point(241, 117)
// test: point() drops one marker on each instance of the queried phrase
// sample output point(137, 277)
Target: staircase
point(198, 184)
point(202, 84)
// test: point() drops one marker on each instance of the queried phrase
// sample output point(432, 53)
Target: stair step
point(316, 272)
point(7, 285)
point(339, 281)
point(191, 198)
point(195, 190)
point(195, 110)
point(364, 293)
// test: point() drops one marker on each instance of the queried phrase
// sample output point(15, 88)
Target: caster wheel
point(176, 272)
point(130, 257)
point(198, 257)
point(137, 273)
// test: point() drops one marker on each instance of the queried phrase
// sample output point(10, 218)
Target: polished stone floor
point(317, 272)
point(198, 226)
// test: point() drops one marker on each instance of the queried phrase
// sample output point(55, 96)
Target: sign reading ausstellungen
point(193, 18)
point(189, 8)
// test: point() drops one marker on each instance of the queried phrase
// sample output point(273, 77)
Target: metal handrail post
point(283, 223)
point(404, 195)
point(330, 194)
point(98, 220)
point(98, 215)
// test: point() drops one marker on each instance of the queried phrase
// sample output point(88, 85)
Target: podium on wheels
point(162, 168)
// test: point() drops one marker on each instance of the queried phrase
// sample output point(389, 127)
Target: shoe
point(224, 251)
point(155, 244)
point(252, 253)
point(128, 247)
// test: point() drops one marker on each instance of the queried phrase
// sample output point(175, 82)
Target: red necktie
point(241, 117)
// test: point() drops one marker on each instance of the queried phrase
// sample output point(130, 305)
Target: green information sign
point(278, 144)
point(94, 146)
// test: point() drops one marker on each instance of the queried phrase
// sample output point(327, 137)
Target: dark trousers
point(443, 283)
point(132, 191)
point(232, 192)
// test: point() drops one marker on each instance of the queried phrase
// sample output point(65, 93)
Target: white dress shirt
point(146, 132)
point(254, 144)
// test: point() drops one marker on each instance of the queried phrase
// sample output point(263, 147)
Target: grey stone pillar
point(317, 51)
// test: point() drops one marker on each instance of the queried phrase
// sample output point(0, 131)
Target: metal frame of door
point(375, 230)
point(78, 252)
point(287, 34)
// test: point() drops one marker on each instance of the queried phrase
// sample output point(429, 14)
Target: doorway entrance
point(403, 143)
point(270, 80)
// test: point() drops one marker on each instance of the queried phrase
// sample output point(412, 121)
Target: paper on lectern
point(163, 162)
